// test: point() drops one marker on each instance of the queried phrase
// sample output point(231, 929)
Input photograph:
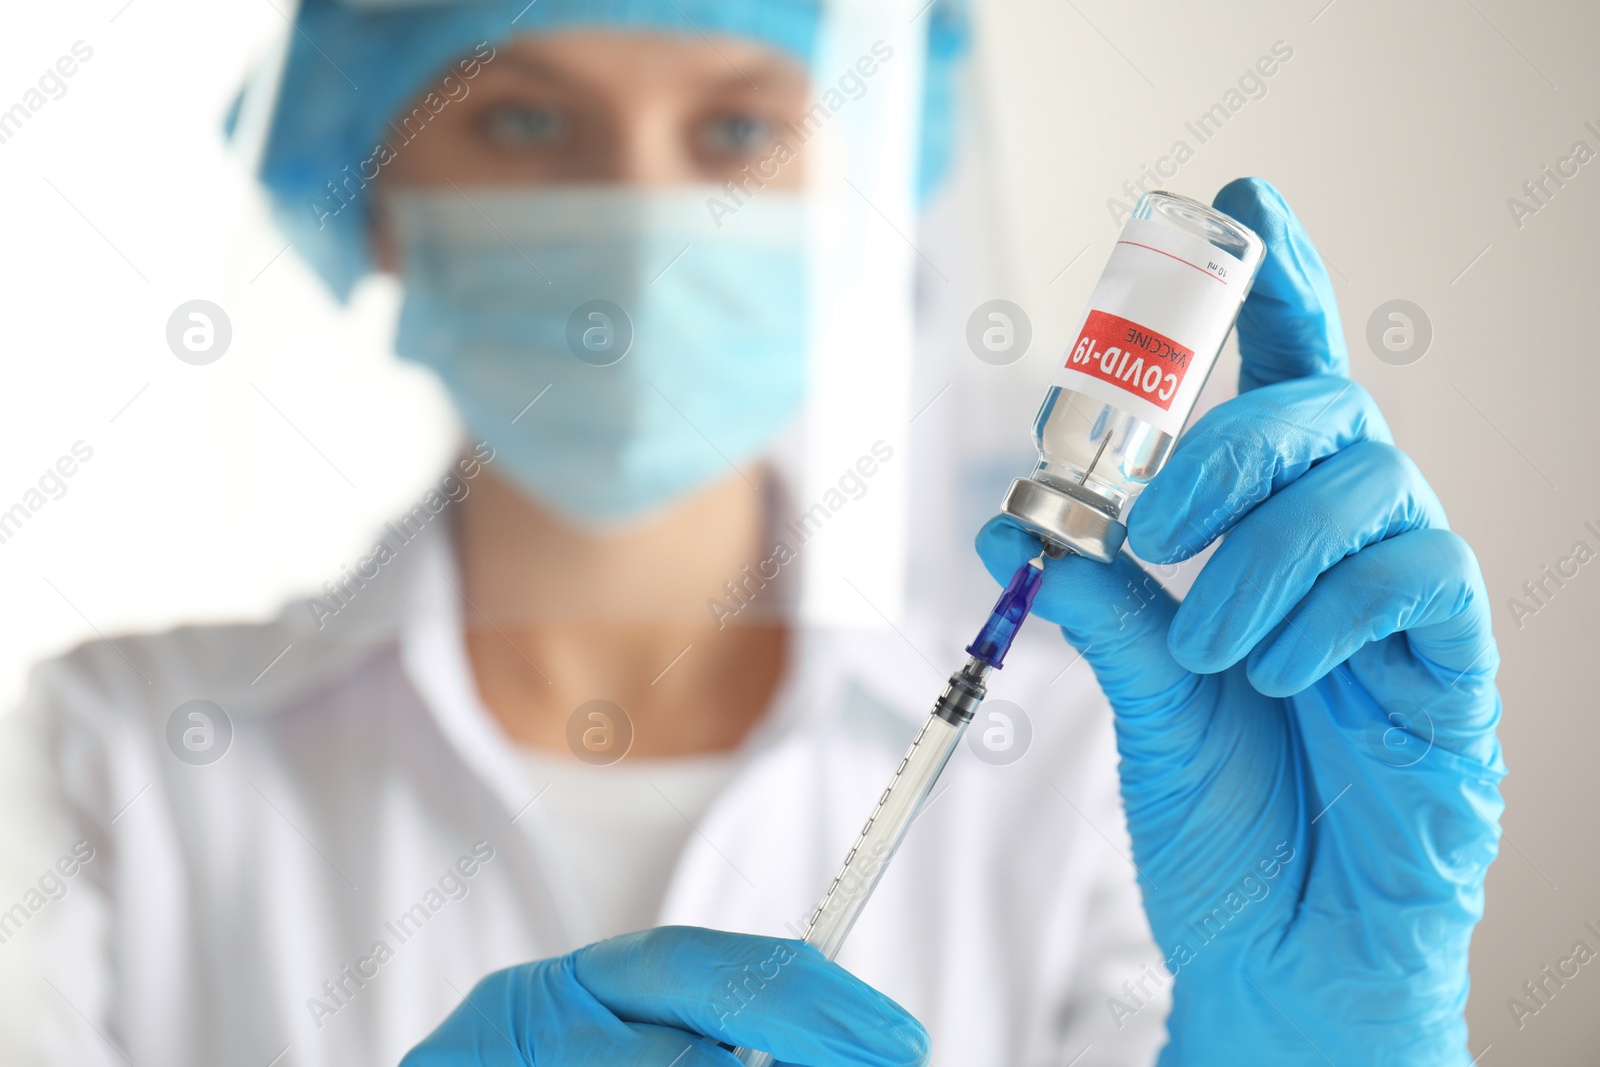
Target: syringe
point(919, 769)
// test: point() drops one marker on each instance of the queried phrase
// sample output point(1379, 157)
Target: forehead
point(601, 59)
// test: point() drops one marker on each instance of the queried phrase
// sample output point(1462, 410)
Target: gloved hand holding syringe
point(1156, 323)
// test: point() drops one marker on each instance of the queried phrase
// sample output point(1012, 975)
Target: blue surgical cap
point(352, 65)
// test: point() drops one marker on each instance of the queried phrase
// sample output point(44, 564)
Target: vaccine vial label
point(1155, 324)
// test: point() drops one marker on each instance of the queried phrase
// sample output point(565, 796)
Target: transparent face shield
point(589, 294)
point(853, 489)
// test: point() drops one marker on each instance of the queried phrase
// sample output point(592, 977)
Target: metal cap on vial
point(1072, 520)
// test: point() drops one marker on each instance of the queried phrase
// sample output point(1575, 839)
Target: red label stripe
point(1131, 357)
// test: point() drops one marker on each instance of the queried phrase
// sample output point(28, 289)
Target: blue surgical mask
point(619, 347)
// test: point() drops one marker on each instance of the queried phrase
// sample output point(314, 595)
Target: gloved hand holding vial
point(1309, 762)
point(1312, 659)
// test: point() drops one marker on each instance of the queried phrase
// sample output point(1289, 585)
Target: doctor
point(429, 791)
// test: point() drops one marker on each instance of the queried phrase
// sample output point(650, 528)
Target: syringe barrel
point(869, 858)
point(897, 808)
point(1156, 322)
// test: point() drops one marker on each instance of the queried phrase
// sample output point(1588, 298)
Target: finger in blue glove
point(675, 995)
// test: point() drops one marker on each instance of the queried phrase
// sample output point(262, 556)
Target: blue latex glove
point(1309, 764)
point(668, 997)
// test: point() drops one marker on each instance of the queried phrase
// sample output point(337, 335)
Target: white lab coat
point(220, 899)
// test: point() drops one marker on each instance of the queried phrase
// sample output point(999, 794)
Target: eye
point(524, 125)
point(737, 135)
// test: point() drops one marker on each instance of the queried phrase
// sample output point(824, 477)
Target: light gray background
point(1397, 132)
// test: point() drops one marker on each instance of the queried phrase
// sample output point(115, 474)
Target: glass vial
point(1155, 325)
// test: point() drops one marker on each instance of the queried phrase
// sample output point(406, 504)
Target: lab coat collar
point(431, 636)
point(870, 685)
point(433, 654)
point(823, 664)
point(433, 650)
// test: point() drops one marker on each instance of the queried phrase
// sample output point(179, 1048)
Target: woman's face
point(601, 107)
point(632, 114)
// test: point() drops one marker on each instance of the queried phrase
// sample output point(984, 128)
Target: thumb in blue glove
point(1309, 764)
point(675, 996)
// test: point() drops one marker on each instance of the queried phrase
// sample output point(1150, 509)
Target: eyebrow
point(535, 66)
point(765, 72)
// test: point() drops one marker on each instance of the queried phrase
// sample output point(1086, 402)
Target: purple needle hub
point(994, 640)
